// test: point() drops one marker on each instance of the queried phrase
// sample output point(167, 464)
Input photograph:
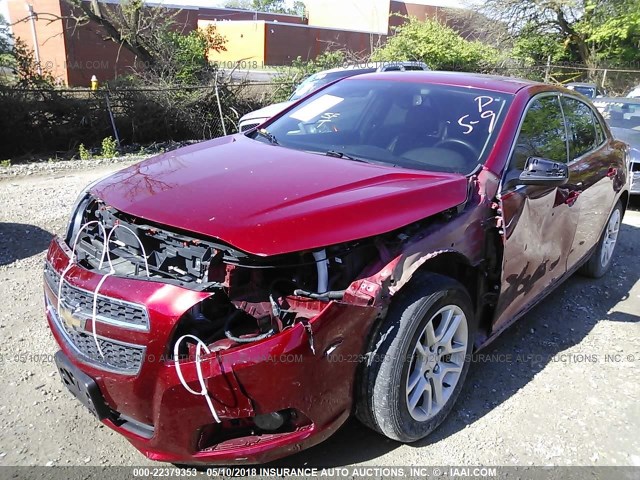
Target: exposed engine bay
point(252, 297)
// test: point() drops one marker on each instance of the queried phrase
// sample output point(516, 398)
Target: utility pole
point(34, 33)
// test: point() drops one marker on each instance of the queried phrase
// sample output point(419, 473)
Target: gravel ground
point(543, 394)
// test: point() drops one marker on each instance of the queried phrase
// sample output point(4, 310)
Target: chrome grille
point(119, 357)
point(108, 310)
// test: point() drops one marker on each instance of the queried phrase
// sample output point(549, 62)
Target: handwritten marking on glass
point(327, 117)
point(483, 102)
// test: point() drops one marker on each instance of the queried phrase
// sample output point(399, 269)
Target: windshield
point(398, 123)
point(620, 114)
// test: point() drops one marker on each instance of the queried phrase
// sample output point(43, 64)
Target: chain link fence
point(616, 81)
point(57, 121)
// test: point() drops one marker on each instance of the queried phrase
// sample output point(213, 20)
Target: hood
point(267, 200)
point(266, 112)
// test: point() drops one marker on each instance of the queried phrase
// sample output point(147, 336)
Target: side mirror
point(543, 172)
point(540, 171)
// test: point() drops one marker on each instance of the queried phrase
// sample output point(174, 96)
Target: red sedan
point(237, 300)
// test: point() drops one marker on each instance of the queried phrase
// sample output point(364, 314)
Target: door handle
point(612, 172)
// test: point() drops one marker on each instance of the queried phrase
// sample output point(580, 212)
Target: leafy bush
point(83, 152)
point(109, 147)
point(437, 45)
point(51, 120)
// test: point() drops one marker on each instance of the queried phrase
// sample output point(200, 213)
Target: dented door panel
point(539, 227)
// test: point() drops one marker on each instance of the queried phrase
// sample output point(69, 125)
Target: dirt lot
point(544, 393)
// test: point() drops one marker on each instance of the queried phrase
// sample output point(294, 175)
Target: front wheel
point(602, 256)
point(419, 359)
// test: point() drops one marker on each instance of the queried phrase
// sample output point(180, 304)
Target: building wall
point(89, 54)
point(72, 52)
point(285, 43)
point(245, 43)
point(421, 12)
point(50, 36)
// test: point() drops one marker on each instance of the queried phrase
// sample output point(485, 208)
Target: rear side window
point(582, 131)
point(542, 133)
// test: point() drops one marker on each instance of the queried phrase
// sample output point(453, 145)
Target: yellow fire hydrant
point(94, 83)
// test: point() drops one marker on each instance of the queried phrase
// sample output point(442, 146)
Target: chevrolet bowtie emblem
point(71, 318)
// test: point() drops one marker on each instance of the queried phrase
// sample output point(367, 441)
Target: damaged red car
point(238, 299)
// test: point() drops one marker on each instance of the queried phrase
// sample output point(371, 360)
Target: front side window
point(542, 133)
point(582, 131)
point(403, 124)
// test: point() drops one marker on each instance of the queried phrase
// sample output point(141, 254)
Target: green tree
point(239, 4)
point(154, 36)
point(299, 9)
point(6, 57)
point(439, 46)
point(612, 29)
point(590, 31)
point(532, 48)
point(270, 6)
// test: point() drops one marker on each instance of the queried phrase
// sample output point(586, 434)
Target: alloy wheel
point(610, 238)
point(436, 362)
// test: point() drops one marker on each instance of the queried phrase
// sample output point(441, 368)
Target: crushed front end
point(254, 375)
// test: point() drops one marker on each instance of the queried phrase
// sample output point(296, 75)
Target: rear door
point(539, 222)
point(594, 166)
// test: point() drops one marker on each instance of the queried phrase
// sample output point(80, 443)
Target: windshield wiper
point(263, 132)
point(333, 153)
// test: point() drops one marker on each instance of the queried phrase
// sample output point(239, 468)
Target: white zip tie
point(105, 252)
point(73, 258)
point(111, 272)
point(200, 345)
point(203, 392)
point(144, 252)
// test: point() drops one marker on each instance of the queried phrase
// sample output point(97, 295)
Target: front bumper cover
point(154, 411)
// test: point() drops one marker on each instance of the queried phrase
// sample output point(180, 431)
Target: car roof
point(474, 80)
point(375, 66)
point(635, 101)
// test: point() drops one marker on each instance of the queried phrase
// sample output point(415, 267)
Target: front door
point(539, 222)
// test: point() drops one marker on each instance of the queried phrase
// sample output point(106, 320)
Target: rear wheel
point(602, 256)
point(419, 359)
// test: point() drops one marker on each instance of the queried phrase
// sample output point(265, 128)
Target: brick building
point(74, 53)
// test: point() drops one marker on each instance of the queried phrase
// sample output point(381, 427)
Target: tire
point(601, 258)
point(394, 359)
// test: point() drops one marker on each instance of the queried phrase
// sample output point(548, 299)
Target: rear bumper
point(154, 411)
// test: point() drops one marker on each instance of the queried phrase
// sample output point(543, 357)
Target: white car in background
point(320, 79)
point(623, 117)
point(635, 93)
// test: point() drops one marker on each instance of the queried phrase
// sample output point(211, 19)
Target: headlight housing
point(77, 212)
